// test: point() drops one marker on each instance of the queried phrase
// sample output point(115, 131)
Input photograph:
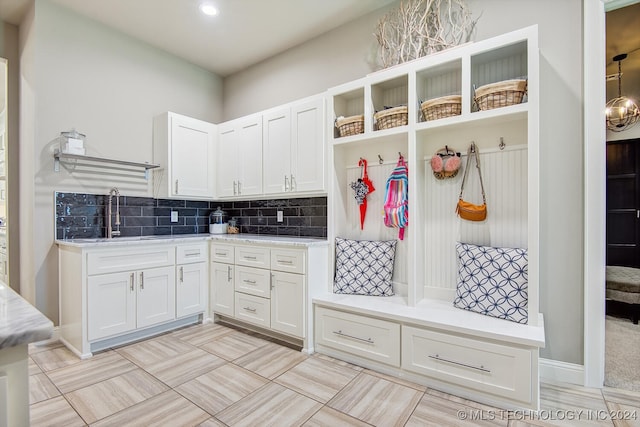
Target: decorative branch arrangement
point(421, 27)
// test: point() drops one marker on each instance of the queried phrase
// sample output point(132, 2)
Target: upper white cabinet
point(185, 149)
point(239, 159)
point(294, 150)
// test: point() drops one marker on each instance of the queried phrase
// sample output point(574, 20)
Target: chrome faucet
point(110, 232)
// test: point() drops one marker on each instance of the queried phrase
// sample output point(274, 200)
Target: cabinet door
point(287, 303)
point(276, 143)
point(192, 147)
point(111, 307)
point(250, 156)
point(156, 296)
point(222, 289)
point(191, 289)
point(226, 160)
point(307, 146)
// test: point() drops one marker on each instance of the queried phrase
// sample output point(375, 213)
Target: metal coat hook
point(380, 161)
point(502, 144)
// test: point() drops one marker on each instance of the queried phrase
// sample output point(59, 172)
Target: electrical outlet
point(280, 217)
point(174, 216)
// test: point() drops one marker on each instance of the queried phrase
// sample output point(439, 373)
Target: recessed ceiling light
point(208, 9)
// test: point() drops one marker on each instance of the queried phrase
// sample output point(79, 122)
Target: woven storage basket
point(500, 94)
point(351, 125)
point(391, 117)
point(439, 108)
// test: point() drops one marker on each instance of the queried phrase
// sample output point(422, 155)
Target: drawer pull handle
point(228, 273)
point(192, 253)
point(131, 282)
point(251, 282)
point(181, 274)
point(368, 340)
point(141, 280)
point(250, 257)
point(284, 261)
point(249, 309)
point(221, 253)
point(479, 368)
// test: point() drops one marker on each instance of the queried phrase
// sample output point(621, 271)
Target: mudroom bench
point(478, 357)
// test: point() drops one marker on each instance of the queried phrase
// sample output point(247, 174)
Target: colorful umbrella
point(362, 187)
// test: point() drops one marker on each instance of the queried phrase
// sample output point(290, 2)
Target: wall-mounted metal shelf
point(72, 159)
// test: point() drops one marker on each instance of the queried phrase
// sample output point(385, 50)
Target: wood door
point(623, 203)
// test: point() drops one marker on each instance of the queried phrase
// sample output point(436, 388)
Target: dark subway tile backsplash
point(81, 215)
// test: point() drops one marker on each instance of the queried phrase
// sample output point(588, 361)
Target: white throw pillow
point(493, 281)
point(364, 267)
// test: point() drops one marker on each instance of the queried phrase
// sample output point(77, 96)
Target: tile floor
point(215, 375)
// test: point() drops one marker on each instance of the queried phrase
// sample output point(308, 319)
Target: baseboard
point(555, 371)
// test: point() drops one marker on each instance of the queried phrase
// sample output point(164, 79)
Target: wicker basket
point(351, 125)
point(500, 94)
point(391, 117)
point(439, 108)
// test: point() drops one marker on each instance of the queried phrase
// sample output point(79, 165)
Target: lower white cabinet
point(222, 290)
point(115, 294)
point(287, 303)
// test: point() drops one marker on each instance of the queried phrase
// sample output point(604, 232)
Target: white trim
point(554, 371)
point(610, 5)
point(594, 173)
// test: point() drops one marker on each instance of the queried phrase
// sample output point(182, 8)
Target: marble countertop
point(184, 238)
point(20, 322)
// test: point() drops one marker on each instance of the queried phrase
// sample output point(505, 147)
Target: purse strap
point(473, 151)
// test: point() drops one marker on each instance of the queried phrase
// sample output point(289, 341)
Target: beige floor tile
point(212, 422)
point(201, 334)
point(149, 352)
point(37, 347)
point(316, 378)
point(559, 402)
point(624, 415)
point(184, 367)
point(233, 345)
point(338, 361)
point(115, 394)
point(91, 371)
point(397, 380)
point(55, 358)
point(377, 401)
point(41, 388)
point(271, 405)
point(437, 411)
point(165, 409)
point(54, 412)
point(330, 417)
point(33, 367)
point(462, 400)
point(216, 390)
point(270, 360)
point(617, 395)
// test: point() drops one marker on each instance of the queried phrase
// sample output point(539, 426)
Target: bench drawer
point(254, 281)
point(253, 309)
point(222, 253)
point(363, 336)
point(484, 366)
point(252, 256)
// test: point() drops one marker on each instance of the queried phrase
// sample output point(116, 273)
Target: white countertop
point(20, 322)
point(184, 238)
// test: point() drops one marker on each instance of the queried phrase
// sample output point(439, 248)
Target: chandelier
point(622, 113)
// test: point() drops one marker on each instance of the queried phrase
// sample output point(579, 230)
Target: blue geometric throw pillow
point(493, 281)
point(364, 267)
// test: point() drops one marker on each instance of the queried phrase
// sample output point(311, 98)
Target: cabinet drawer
point(287, 260)
point(222, 253)
point(254, 281)
point(187, 254)
point(490, 368)
point(252, 256)
point(111, 261)
point(253, 309)
point(363, 336)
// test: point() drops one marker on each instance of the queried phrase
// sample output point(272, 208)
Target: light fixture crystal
point(621, 112)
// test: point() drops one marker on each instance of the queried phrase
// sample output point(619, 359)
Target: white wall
point(342, 55)
point(109, 87)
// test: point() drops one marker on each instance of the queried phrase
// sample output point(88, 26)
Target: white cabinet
point(239, 158)
point(156, 297)
point(293, 141)
point(287, 303)
point(192, 281)
point(184, 147)
point(221, 281)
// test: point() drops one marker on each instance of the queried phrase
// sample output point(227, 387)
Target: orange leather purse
point(467, 210)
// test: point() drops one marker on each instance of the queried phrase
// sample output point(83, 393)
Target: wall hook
point(502, 144)
point(380, 161)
